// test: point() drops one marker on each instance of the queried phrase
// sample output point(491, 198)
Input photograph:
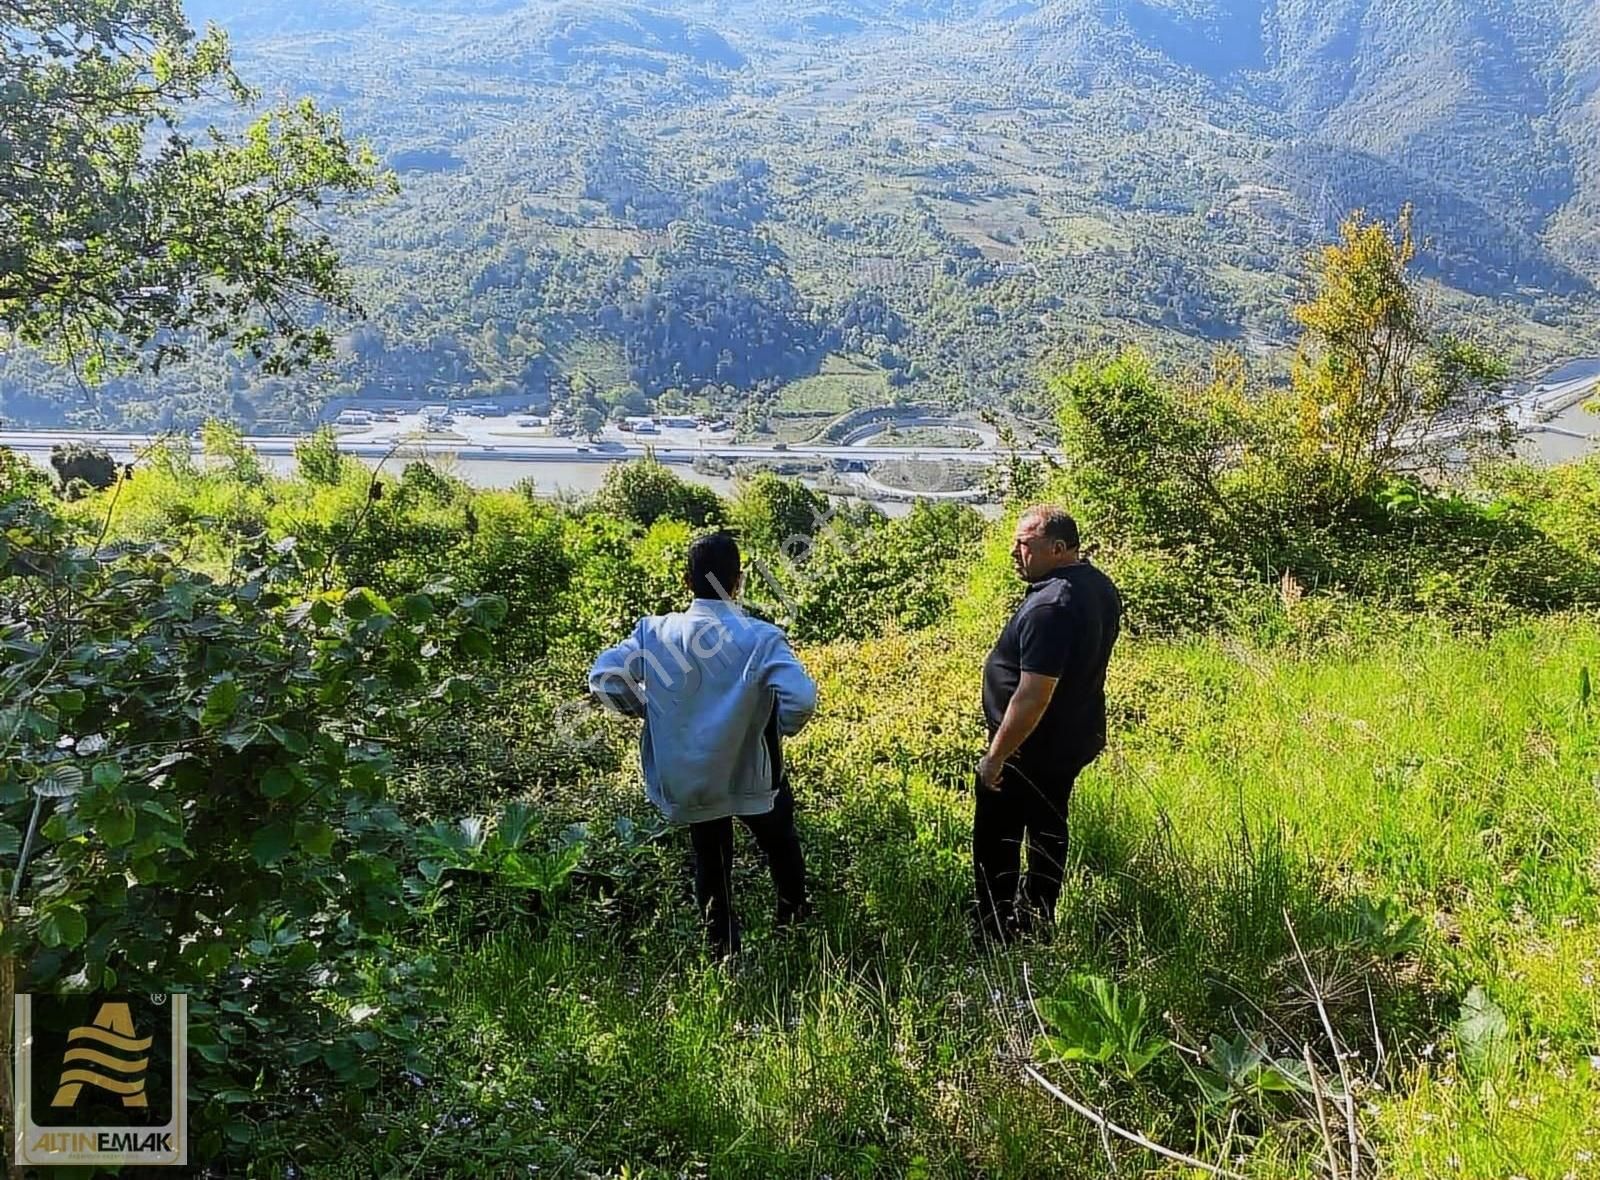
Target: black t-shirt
point(1064, 629)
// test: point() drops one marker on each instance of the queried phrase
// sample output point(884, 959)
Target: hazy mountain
point(948, 190)
point(622, 36)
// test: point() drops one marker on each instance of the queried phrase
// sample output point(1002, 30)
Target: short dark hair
point(1055, 523)
point(714, 565)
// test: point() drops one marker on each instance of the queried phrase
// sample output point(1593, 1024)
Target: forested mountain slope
point(703, 198)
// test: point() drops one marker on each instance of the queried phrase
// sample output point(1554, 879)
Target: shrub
point(79, 467)
point(1375, 377)
point(20, 479)
point(648, 490)
point(208, 762)
point(1143, 463)
point(432, 527)
point(777, 517)
point(885, 573)
point(317, 458)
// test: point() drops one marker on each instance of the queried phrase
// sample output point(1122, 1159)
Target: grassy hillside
point(1248, 793)
point(1339, 860)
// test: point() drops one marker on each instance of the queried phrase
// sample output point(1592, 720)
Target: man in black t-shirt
point(1044, 699)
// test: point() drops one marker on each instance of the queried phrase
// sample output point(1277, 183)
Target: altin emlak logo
point(101, 1079)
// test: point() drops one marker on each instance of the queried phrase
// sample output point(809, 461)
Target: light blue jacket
point(706, 681)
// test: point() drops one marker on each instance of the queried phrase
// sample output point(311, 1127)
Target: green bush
point(646, 491)
point(1200, 495)
point(877, 573)
point(21, 479)
point(430, 526)
point(317, 458)
point(777, 518)
point(206, 764)
point(1147, 458)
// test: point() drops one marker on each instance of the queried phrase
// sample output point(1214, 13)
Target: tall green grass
point(1248, 793)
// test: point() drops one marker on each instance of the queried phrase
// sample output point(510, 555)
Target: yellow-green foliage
point(1562, 501)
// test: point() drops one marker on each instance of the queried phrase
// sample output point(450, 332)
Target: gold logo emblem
point(87, 1062)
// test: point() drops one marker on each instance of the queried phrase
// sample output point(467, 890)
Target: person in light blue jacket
point(717, 690)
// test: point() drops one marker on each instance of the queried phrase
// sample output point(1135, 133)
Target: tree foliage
point(875, 574)
point(207, 762)
point(777, 517)
point(646, 491)
point(1375, 379)
point(1149, 454)
point(317, 458)
point(21, 479)
point(1203, 485)
point(126, 236)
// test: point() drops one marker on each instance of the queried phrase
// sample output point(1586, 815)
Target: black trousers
point(1030, 807)
point(779, 841)
point(775, 834)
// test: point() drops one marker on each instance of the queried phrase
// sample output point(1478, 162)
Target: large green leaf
point(63, 925)
point(1482, 1032)
point(221, 703)
point(278, 782)
point(316, 839)
point(271, 844)
point(115, 822)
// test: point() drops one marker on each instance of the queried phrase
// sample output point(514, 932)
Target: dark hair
point(1055, 523)
point(714, 566)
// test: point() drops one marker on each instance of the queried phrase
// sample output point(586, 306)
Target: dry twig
point(1106, 1125)
point(1348, 1097)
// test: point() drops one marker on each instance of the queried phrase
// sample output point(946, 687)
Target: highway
point(1576, 382)
point(41, 441)
point(1531, 406)
point(497, 439)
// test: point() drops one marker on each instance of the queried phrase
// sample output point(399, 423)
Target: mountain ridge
point(1003, 181)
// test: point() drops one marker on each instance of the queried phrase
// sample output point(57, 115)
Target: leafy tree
point(317, 458)
point(224, 444)
point(1375, 379)
point(209, 800)
point(619, 577)
point(21, 479)
point(870, 572)
point(649, 490)
point(589, 422)
point(1145, 457)
point(125, 236)
point(79, 466)
point(778, 516)
point(431, 527)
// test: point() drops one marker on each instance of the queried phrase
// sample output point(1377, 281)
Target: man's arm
point(612, 679)
point(1044, 637)
point(1027, 708)
point(792, 685)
